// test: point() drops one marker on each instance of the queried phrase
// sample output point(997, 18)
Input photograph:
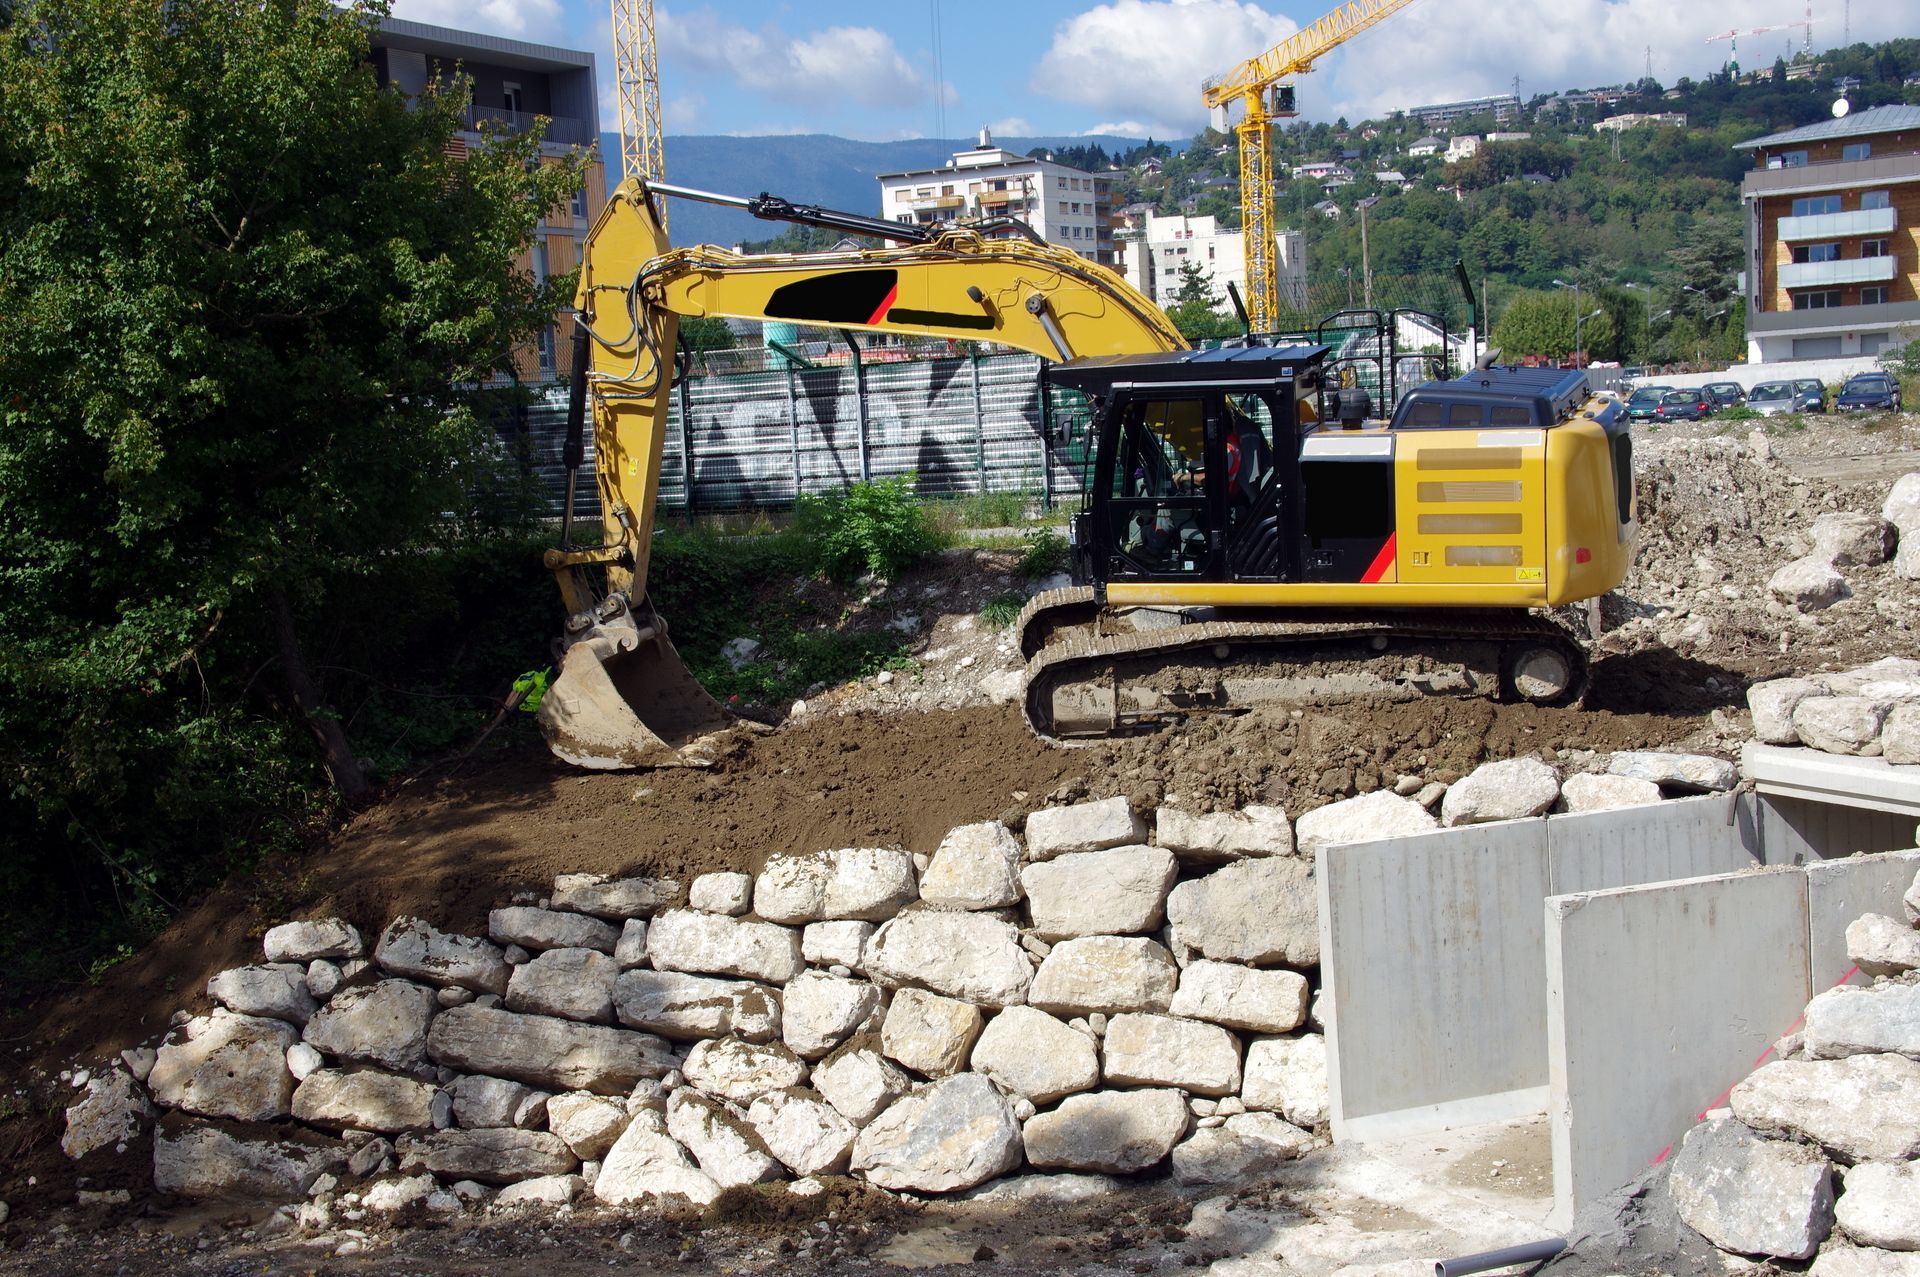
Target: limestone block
point(1860, 1109)
point(1591, 791)
point(1910, 901)
point(1509, 789)
point(930, 1034)
point(836, 944)
point(804, 1131)
point(728, 893)
point(614, 899)
point(589, 1124)
point(691, 1006)
point(413, 947)
point(975, 867)
point(971, 956)
point(226, 1065)
point(556, 1055)
point(1852, 1261)
point(1261, 912)
point(739, 1071)
point(866, 883)
point(1120, 891)
point(1840, 724)
point(201, 1159)
point(1846, 539)
point(1880, 945)
point(1288, 1076)
point(480, 1101)
point(1113, 1132)
point(383, 1023)
point(1750, 1195)
point(390, 1197)
point(1223, 835)
point(1241, 997)
point(1906, 560)
point(1772, 704)
point(1160, 1050)
point(860, 1082)
point(1856, 1021)
point(573, 984)
point(1368, 818)
point(646, 1162)
point(538, 929)
point(1246, 1146)
point(1808, 585)
point(1030, 1053)
point(712, 944)
point(541, 1190)
point(1105, 973)
point(1094, 826)
point(496, 1155)
point(1900, 734)
point(1881, 1205)
point(1902, 506)
point(307, 941)
point(630, 950)
point(820, 1011)
point(112, 1110)
point(366, 1100)
point(277, 990)
point(1879, 675)
point(943, 1138)
point(323, 978)
point(725, 1147)
point(1680, 773)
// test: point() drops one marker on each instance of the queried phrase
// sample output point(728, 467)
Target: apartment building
point(514, 84)
point(1832, 259)
point(1502, 106)
point(1639, 119)
point(1063, 205)
point(1152, 255)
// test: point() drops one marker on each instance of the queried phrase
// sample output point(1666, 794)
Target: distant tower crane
point(1250, 84)
point(1733, 37)
point(636, 69)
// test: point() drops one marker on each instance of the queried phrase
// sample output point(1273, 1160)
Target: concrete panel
point(1798, 831)
point(1793, 772)
point(1683, 838)
point(1431, 948)
point(1659, 999)
point(1838, 891)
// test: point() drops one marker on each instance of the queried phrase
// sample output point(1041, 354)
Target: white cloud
point(526, 19)
point(1133, 128)
point(1147, 58)
point(683, 114)
point(819, 69)
point(1011, 126)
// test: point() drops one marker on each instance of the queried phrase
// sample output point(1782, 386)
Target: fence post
point(686, 444)
point(979, 422)
point(860, 402)
point(1046, 437)
point(793, 431)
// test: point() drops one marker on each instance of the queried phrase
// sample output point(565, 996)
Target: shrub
point(1002, 610)
point(1043, 552)
point(875, 526)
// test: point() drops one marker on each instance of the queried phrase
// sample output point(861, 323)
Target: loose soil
point(899, 759)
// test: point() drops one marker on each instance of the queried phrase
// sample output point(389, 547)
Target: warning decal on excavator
point(854, 297)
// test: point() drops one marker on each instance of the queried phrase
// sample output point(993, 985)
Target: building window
point(510, 97)
point(1063, 207)
point(1875, 199)
point(946, 190)
point(1875, 295)
point(1856, 151)
point(540, 261)
point(1814, 205)
point(1826, 299)
point(1874, 248)
point(580, 205)
point(1793, 159)
point(1816, 252)
point(546, 347)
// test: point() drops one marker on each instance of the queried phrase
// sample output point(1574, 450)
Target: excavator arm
point(623, 697)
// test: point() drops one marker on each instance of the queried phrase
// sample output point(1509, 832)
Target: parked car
point(1866, 391)
point(1645, 399)
point(1691, 404)
point(1811, 394)
point(1774, 398)
point(1726, 394)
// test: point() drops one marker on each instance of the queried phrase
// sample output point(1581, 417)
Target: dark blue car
point(1868, 392)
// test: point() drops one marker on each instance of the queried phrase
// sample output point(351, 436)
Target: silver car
point(1773, 398)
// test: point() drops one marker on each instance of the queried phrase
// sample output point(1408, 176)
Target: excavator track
point(1083, 685)
point(1051, 613)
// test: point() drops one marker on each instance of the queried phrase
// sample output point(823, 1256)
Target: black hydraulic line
point(1473, 304)
point(573, 453)
point(1505, 1257)
point(1239, 308)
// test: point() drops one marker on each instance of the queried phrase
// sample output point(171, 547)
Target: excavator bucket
point(624, 699)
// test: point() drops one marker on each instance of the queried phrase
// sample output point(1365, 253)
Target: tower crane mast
point(1249, 84)
point(637, 78)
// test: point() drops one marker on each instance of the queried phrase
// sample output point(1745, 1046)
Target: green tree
point(1542, 323)
point(238, 283)
point(1195, 310)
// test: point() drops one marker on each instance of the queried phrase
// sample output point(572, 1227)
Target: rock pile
point(1845, 539)
point(1870, 712)
point(1815, 1154)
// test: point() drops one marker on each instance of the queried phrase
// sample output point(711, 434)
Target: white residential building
point(1063, 205)
point(1428, 145)
point(1464, 147)
point(1634, 119)
point(1151, 261)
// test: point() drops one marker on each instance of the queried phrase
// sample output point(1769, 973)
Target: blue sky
point(870, 70)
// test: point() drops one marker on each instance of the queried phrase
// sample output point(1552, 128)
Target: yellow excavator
point(1249, 534)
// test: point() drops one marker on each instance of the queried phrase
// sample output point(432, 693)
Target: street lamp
point(1700, 339)
point(1579, 319)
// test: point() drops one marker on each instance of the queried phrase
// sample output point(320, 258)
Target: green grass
point(1002, 610)
point(979, 510)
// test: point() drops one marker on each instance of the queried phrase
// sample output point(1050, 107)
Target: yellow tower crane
point(637, 74)
point(1249, 84)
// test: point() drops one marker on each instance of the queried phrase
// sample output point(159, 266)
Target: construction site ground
point(900, 758)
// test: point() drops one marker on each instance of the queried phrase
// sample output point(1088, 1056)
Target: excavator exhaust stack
point(624, 699)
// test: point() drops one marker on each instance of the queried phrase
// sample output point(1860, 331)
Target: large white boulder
point(712, 944)
point(1368, 818)
point(1104, 974)
point(614, 899)
point(1246, 1146)
point(1508, 789)
point(869, 884)
point(725, 1147)
point(1856, 1021)
point(112, 1111)
point(328, 938)
point(860, 1082)
point(1241, 997)
point(1861, 1108)
point(1030, 1053)
point(537, 929)
point(820, 1011)
point(971, 956)
point(928, 1033)
point(1161, 1050)
point(646, 1162)
point(277, 990)
point(1261, 912)
point(1288, 1076)
point(365, 1100)
point(837, 944)
point(573, 984)
point(555, 1055)
point(1880, 945)
point(1900, 734)
point(1846, 539)
point(1682, 773)
point(226, 1065)
point(804, 1131)
point(1840, 724)
point(943, 1138)
point(727, 893)
point(1881, 1205)
point(479, 1100)
point(1198, 838)
point(689, 1007)
point(1902, 506)
point(202, 1159)
point(1808, 585)
point(415, 948)
point(1120, 891)
point(739, 1071)
point(1750, 1195)
point(1864, 1261)
point(1772, 704)
point(1591, 791)
point(1093, 826)
point(1115, 1132)
point(589, 1124)
point(383, 1023)
point(975, 867)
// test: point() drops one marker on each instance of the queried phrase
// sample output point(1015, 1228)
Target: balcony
point(1001, 197)
point(1865, 221)
point(1830, 175)
point(1848, 270)
point(925, 202)
point(1832, 319)
point(562, 129)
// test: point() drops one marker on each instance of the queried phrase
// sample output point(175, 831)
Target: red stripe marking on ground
point(886, 305)
point(1381, 561)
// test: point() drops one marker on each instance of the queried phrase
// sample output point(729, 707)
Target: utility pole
point(1366, 260)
